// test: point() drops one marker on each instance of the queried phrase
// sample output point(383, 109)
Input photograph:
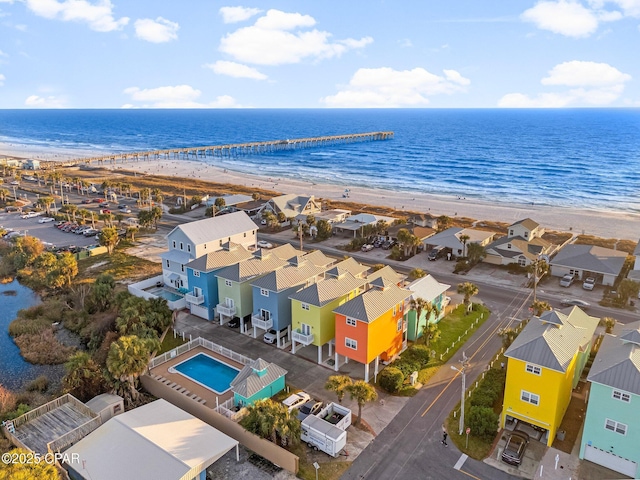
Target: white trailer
point(326, 430)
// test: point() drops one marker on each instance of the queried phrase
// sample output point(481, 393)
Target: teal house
point(429, 289)
point(257, 381)
point(611, 433)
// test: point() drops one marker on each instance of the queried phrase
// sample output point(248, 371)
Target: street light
point(461, 371)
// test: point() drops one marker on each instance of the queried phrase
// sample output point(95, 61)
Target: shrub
point(407, 367)
point(391, 379)
point(418, 354)
point(43, 348)
point(482, 397)
point(483, 422)
point(40, 384)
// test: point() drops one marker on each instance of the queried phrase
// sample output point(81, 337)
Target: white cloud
point(279, 38)
point(99, 17)
point(236, 70)
point(2, 79)
point(237, 14)
point(566, 18)
point(585, 74)
point(594, 84)
point(179, 96)
point(159, 30)
point(51, 101)
point(405, 43)
point(386, 87)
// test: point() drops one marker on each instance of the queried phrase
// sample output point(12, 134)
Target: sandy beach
point(605, 224)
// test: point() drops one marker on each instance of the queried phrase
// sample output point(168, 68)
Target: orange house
point(371, 327)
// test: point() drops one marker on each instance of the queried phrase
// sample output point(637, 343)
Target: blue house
point(257, 381)
point(201, 274)
point(429, 289)
point(271, 292)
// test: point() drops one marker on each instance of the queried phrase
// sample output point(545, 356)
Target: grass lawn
point(453, 326)
point(169, 343)
point(119, 265)
point(330, 469)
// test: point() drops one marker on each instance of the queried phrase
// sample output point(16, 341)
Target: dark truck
point(515, 447)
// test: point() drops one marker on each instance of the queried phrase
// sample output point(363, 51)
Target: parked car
point(233, 323)
point(296, 400)
point(90, 232)
point(272, 336)
point(98, 200)
point(567, 280)
point(367, 247)
point(589, 283)
point(264, 244)
point(15, 182)
point(575, 302)
point(515, 447)
point(124, 209)
point(309, 408)
point(86, 201)
point(435, 253)
point(46, 220)
point(378, 243)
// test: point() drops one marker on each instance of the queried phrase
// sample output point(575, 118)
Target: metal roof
point(373, 303)
point(427, 288)
point(327, 290)
point(247, 383)
point(617, 363)
point(450, 238)
point(177, 256)
point(211, 229)
point(318, 258)
point(348, 265)
point(526, 223)
point(288, 276)
point(252, 267)
point(552, 340)
point(387, 273)
point(590, 257)
point(230, 254)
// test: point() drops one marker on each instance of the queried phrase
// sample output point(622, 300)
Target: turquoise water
point(162, 293)
point(208, 372)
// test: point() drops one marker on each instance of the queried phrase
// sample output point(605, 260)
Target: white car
point(29, 215)
point(567, 280)
point(15, 182)
point(296, 400)
point(589, 283)
point(367, 247)
point(46, 220)
point(263, 244)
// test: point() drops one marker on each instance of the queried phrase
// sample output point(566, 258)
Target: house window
point(305, 306)
point(399, 327)
point(181, 246)
point(220, 242)
point(511, 233)
point(509, 246)
point(351, 321)
point(182, 268)
point(350, 343)
point(522, 262)
point(205, 246)
point(168, 264)
point(188, 247)
point(394, 309)
point(228, 283)
point(245, 234)
point(529, 397)
point(264, 292)
point(174, 244)
point(401, 306)
point(533, 369)
point(196, 273)
point(305, 329)
point(618, 395)
point(614, 426)
point(526, 234)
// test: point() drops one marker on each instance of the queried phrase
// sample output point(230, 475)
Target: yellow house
point(543, 367)
point(312, 317)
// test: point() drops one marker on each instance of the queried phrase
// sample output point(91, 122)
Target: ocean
point(584, 158)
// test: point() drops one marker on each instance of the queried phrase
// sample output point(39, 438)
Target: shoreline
point(598, 222)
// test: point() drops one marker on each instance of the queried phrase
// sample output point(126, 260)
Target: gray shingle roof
point(370, 305)
point(617, 363)
point(210, 229)
point(288, 276)
point(230, 254)
point(248, 382)
point(552, 340)
point(325, 291)
point(591, 258)
point(526, 223)
point(530, 249)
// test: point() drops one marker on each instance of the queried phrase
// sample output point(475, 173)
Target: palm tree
point(539, 307)
point(467, 289)
point(84, 377)
point(4, 194)
point(418, 304)
point(608, 323)
point(72, 209)
point(628, 289)
point(84, 214)
point(127, 360)
point(464, 239)
point(145, 196)
point(362, 392)
point(508, 336)
point(338, 384)
point(430, 333)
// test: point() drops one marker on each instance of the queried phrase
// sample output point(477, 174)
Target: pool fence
point(204, 343)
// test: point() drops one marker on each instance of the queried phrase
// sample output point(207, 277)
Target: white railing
point(194, 299)
point(300, 337)
point(260, 322)
point(225, 310)
point(204, 343)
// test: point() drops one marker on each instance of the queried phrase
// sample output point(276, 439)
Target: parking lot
point(46, 232)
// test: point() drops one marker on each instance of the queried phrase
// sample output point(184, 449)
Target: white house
point(522, 245)
point(450, 238)
point(192, 240)
point(635, 273)
point(292, 205)
point(583, 261)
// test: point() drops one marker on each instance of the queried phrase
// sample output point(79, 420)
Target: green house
point(257, 381)
point(434, 292)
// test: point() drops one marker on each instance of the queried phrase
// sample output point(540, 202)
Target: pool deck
point(183, 382)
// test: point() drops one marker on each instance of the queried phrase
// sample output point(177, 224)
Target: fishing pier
point(230, 150)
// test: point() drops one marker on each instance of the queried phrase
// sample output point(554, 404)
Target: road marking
point(468, 474)
point(460, 461)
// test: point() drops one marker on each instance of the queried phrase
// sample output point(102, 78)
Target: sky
point(319, 54)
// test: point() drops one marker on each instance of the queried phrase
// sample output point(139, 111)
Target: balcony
point(260, 322)
point(304, 339)
point(194, 299)
point(225, 310)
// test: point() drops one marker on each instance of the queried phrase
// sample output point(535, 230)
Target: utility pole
point(300, 233)
point(462, 372)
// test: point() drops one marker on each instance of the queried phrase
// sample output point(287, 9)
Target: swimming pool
point(162, 293)
point(208, 372)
